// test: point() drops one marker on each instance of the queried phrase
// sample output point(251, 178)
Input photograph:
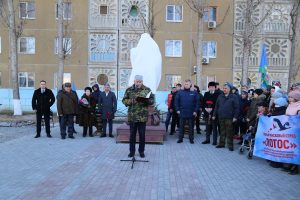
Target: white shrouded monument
point(146, 61)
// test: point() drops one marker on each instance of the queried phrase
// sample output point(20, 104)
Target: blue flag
point(263, 68)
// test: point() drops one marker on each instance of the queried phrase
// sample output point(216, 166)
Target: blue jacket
point(187, 102)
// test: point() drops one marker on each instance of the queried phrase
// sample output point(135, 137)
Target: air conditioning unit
point(212, 24)
point(195, 69)
point(205, 60)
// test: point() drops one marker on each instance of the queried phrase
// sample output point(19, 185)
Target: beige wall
point(221, 67)
point(44, 61)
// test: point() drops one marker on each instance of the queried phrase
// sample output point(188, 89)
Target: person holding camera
point(137, 99)
point(87, 106)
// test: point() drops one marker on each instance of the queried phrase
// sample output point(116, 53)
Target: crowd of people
point(228, 113)
point(94, 108)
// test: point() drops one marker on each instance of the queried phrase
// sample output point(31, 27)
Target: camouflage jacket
point(137, 112)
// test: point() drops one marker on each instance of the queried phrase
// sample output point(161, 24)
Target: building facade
point(37, 46)
point(100, 33)
point(273, 32)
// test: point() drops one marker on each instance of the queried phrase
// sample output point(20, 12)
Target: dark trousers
point(226, 132)
point(85, 130)
point(242, 127)
point(211, 128)
point(197, 120)
point(141, 128)
point(168, 119)
point(39, 123)
point(66, 121)
point(110, 126)
point(191, 128)
point(175, 120)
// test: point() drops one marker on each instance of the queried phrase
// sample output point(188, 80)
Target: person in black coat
point(242, 120)
point(175, 117)
point(96, 92)
point(208, 105)
point(108, 107)
point(87, 106)
point(227, 110)
point(197, 118)
point(42, 99)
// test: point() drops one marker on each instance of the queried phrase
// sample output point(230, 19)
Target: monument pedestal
point(153, 134)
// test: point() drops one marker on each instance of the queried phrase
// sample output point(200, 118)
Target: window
point(66, 79)
point(102, 47)
point(103, 10)
point(67, 46)
point(210, 14)
point(67, 10)
point(173, 48)
point(134, 11)
point(209, 49)
point(27, 10)
point(26, 79)
point(174, 13)
point(172, 80)
point(27, 45)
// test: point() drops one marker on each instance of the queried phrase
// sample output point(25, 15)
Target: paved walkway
point(90, 168)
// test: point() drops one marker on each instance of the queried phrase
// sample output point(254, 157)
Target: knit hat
point(258, 91)
point(68, 84)
point(138, 77)
point(277, 94)
point(281, 101)
point(213, 84)
point(268, 88)
point(228, 85)
point(295, 95)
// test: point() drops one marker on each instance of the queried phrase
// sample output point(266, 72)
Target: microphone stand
point(133, 160)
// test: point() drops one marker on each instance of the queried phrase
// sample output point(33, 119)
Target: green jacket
point(137, 112)
point(252, 113)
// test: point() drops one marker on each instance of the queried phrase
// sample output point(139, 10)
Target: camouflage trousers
point(226, 132)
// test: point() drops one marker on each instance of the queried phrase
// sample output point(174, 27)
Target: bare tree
point(294, 35)
point(198, 7)
point(60, 36)
point(15, 29)
point(251, 26)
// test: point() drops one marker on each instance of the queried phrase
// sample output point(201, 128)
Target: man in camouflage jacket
point(137, 103)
